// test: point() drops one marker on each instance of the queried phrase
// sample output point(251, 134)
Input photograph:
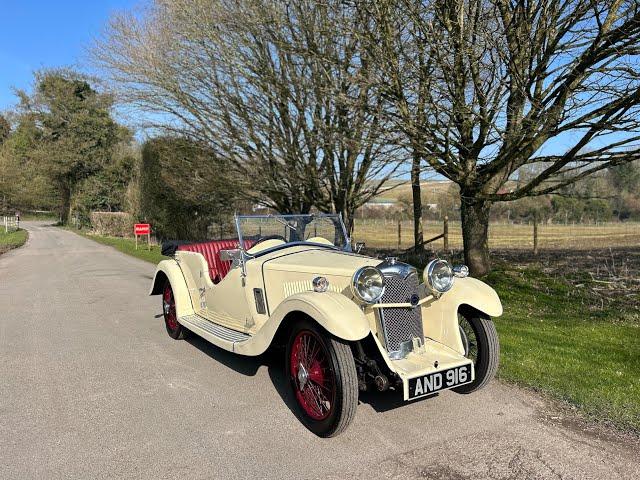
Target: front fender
point(476, 294)
point(336, 313)
point(440, 316)
point(170, 270)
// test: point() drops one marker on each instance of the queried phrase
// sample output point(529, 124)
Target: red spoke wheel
point(311, 371)
point(322, 376)
point(174, 329)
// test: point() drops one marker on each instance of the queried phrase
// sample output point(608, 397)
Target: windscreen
point(320, 229)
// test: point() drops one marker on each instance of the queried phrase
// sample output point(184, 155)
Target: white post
point(6, 225)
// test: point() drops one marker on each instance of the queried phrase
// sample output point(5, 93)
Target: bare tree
point(280, 91)
point(483, 88)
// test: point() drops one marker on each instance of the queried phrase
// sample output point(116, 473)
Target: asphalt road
point(92, 387)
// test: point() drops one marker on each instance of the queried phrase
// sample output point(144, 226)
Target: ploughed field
point(382, 233)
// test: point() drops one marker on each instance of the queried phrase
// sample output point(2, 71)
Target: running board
point(218, 331)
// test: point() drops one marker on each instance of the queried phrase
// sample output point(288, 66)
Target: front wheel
point(481, 345)
point(322, 377)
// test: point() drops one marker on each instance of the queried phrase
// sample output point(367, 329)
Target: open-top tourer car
point(349, 322)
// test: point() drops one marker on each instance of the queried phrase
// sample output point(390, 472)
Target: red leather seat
point(211, 253)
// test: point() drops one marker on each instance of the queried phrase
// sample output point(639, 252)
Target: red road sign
point(142, 229)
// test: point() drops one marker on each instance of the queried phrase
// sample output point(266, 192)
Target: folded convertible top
point(169, 247)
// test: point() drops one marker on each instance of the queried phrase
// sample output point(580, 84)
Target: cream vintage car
point(349, 322)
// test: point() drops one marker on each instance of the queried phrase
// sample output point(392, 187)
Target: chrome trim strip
point(403, 305)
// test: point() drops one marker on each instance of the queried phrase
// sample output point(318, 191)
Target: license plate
point(434, 382)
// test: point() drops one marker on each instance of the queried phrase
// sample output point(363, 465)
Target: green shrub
point(183, 191)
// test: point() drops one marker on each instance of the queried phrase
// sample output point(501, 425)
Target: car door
point(226, 302)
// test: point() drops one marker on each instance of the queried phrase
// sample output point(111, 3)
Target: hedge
point(113, 224)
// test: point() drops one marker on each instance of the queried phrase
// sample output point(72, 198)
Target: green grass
point(127, 246)
point(555, 340)
point(12, 240)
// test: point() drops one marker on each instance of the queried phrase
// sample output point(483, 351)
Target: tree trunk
point(65, 204)
point(348, 217)
point(418, 233)
point(475, 233)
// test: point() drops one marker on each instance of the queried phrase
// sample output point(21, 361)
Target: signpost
point(142, 229)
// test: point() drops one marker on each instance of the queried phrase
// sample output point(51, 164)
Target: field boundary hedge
point(112, 224)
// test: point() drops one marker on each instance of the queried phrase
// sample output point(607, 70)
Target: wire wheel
point(312, 376)
point(174, 329)
point(169, 308)
point(469, 340)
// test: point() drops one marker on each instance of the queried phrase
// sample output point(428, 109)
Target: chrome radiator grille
point(400, 324)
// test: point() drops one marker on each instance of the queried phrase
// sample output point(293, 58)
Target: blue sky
point(35, 34)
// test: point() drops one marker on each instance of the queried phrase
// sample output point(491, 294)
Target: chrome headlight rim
point(354, 282)
point(428, 276)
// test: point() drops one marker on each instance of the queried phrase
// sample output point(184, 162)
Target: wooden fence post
point(445, 233)
point(399, 234)
point(535, 234)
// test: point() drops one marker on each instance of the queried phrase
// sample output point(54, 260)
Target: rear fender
point(170, 270)
point(440, 316)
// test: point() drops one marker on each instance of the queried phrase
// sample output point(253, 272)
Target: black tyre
point(322, 377)
point(480, 340)
point(174, 329)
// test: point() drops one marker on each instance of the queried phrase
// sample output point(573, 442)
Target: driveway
point(92, 387)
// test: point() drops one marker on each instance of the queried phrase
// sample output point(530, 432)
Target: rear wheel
point(481, 345)
point(322, 376)
point(174, 329)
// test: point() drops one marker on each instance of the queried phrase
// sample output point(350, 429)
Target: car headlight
point(367, 284)
point(438, 276)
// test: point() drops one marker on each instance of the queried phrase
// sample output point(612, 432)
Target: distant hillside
point(403, 188)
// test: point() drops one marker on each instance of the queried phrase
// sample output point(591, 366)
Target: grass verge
point(555, 340)
point(11, 240)
point(127, 246)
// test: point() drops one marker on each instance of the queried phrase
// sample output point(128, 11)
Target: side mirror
point(234, 256)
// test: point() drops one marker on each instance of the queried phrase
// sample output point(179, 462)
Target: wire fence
point(398, 235)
